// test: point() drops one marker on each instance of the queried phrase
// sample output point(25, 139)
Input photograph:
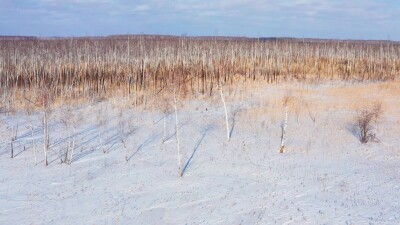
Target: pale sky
point(344, 19)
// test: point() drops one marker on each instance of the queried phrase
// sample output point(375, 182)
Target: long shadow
point(27, 134)
point(173, 134)
point(112, 144)
point(18, 144)
point(21, 152)
point(82, 154)
point(159, 120)
point(95, 135)
point(86, 132)
point(115, 138)
point(353, 129)
point(195, 150)
point(169, 137)
point(58, 156)
point(21, 141)
point(233, 122)
point(144, 144)
point(54, 155)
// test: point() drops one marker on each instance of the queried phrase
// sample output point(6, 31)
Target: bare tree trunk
point(226, 113)
point(72, 149)
point(45, 136)
point(177, 135)
point(165, 129)
point(13, 139)
point(284, 130)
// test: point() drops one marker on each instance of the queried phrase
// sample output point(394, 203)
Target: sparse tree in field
point(177, 133)
point(47, 111)
point(29, 108)
point(71, 120)
point(31, 128)
point(364, 121)
point(46, 138)
point(13, 130)
point(226, 112)
point(123, 131)
point(286, 100)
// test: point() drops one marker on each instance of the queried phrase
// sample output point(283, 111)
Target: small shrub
point(365, 118)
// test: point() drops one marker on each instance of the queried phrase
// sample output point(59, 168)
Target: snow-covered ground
point(326, 176)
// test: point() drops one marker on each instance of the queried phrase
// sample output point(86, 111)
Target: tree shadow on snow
point(195, 149)
point(353, 129)
point(82, 154)
point(144, 144)
point(234, 121)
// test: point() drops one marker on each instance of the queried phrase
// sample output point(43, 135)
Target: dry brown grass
point(310, 102)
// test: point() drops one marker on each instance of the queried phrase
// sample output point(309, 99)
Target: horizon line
point(194, 36)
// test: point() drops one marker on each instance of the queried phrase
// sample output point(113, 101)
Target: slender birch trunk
point(13, 139)
point(165, 129)
point(72, 148)
point(45, 136)
point(284, 130)
point(226, 113)
point(177, 135)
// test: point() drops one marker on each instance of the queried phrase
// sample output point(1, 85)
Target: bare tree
point(71, 120)
point(365, 118)
point(31, 128)
point(47, 111)
point(286, 100)
point(177, 134)
point(226, 111)
point(29, 108)
point(13, 129)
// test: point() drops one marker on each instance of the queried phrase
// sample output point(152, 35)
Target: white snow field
point(325, 176)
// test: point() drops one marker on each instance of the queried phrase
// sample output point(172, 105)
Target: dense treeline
point(140, 67)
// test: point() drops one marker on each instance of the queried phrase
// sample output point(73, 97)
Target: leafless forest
point(38, 72)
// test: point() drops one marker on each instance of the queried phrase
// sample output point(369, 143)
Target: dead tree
point(14, 134)
point(226, 112)
point(46, 137)
point(284, 125)
point(31, 128)
point(71, 120)
point(177, 134)
point(365, 118)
